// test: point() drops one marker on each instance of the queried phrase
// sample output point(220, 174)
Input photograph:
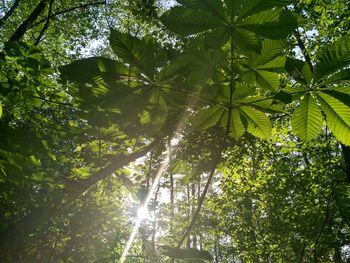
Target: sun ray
point(163, 167)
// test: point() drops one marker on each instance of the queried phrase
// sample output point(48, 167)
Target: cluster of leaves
point(224, 78)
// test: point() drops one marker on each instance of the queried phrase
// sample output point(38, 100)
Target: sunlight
point(143, 213)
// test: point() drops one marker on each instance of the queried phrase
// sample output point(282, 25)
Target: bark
point(172, 212)
point(346, 156)
point(194, 239)
point(46, 26)
point(9, 12)
point(22, 29)
point(19, 232)
point(69, 10)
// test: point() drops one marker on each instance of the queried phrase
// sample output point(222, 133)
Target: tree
point(208, 74)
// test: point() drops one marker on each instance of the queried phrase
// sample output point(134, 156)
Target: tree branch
point(303, 49)
point(67, 11)
point(22, 29)
point(46, 24)
point(9, 13)
point(17, 233)
point(324, 222)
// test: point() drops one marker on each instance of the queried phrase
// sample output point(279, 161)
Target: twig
point(9, 13)
point(68, 10)
point(46, 24)
point(324, 222)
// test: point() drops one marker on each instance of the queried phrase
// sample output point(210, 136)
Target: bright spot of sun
point(143, 213)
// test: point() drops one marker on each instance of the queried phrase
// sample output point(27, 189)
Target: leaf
point(244, 38)
point(141, 53)
point(187, 21)
point(179, 166)
point(0, 110)
point(337, 116)
point(333, 58)
point(340, 93)
point(274, 23)
point(267, 80)
point(262, 103)
point(217, 37)
point(258, 124)
point(307, 119)
point(299, 70)
point(207, 118)
point(342, 77)
point(237, 127)
point(86, 70)
point(214, 7)
point(269, 50)
point(253, 6)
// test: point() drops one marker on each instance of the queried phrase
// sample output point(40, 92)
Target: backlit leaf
point(337, 116)
point(307, 118)
point(207, 118)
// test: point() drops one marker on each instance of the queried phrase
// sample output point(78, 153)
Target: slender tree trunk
point(172, 212)
point(346, 155)
point(46, 26)
point(216, 251)
point(18, 232)
point(22, 29)
point(9, 12)
point(154, 224)
point(194, 206)
point(188, 242)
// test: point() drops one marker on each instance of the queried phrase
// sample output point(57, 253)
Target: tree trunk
point(9, 12)
point(18, 232)
point(346, 155)
point(172, 212)
point(188, 242)
point(22, 29)
point(194, 206)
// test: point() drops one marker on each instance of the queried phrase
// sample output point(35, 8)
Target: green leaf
point(87, 70)
point(342, 77)
point(187, 21)
point(274, 24)
point(207, 118)
point(179, 166)
point(244, 38)
point(253, 6)
point(0, 110)
point(141, 53)
point(237, 127)
point(270, 49)
point(217, 37)
point(258, 124)
point(299, 70)
point(333, 58)
point(307, 118)
point(268, 80)
point(262, 103)
point(337, 116)
point(214, 7)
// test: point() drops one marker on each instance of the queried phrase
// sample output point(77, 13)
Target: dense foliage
point(226, 121)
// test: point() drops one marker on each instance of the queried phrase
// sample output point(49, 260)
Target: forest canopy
point(175, 131)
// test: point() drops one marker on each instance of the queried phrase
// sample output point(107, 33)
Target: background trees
point(239, 100)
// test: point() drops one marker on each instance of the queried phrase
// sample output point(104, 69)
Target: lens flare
point(163, 167)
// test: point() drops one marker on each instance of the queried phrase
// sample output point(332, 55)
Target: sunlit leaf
point(337, 116)
point(187, 21)
point(332, 58)
point(207, 118)
point(307, 118)
point(258, 124)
